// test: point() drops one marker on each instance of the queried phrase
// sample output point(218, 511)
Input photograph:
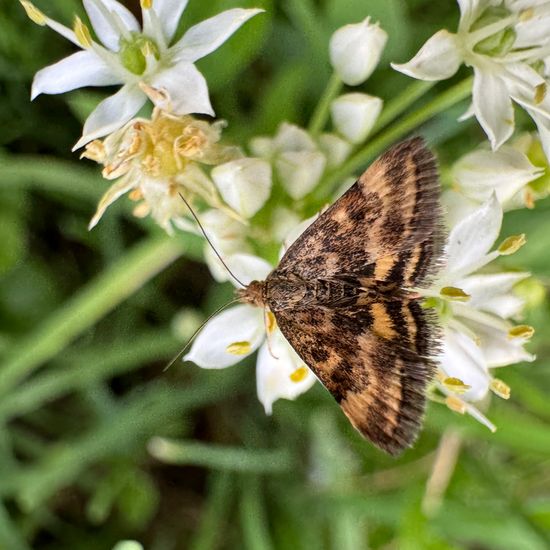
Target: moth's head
point(253, 294)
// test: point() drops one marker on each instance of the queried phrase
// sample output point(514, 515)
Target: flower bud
point(354, 115)
point(244, 184)
point(355, 51)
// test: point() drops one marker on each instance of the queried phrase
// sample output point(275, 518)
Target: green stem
point(402, 102)
point(98, 298)
point(321, 113)
point(362, 157)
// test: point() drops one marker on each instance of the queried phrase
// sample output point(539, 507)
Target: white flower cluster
point(156, 160)
point(507, 44)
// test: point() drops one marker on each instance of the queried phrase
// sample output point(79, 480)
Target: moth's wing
point(373, 359)
point(386, 227)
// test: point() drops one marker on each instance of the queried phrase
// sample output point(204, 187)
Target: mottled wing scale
point(374, 353)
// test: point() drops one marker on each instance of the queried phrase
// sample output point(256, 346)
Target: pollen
point(82, 33)
point(540, 93)
point(525, 332)
point(34, 14)
point(239, 348)
point(512, 244)
point(146, 4)
point(500, 388)
point(454, 293)
point(299, 374)
point(455, 404)
point(95, 150)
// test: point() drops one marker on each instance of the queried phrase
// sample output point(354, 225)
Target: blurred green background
point(87, 325)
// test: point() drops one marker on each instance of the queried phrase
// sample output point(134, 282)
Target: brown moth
point(343, 295)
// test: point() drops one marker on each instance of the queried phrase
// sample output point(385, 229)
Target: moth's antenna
point(210, 242)
point(190, 341)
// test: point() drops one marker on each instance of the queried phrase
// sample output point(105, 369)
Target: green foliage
point(98, 445)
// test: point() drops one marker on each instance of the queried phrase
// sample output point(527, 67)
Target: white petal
point(457, 206)
point(104, 25)
point(334, 148)
point(543, 127)
point(492, 292)
point(471, 239)
point(210, 34)
point(116, 190)
point(261, 146)
point(463, 359)
point(241, 323)
point(493, 107)
point(438, 59)
point(273, 373)
point(505, 172)
point(354, 115)
point(355, 51)
point(295, 232)
point(186, 89)
point(245, 184)
point(169, 13)
point(468, 113)
point(248, 267)
point(112, 113)
point(76, 71)
point(300, 172)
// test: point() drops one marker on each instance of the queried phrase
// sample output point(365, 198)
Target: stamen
point(146, 4)
point(512, 244)
point(34, 14)
point(456, 404)
point(82, 33)
point(299, 374)
point(455, 294)
point(540, 93)
point(500, 388)
point(455, 385)
point(239, 348)
point(525, 332)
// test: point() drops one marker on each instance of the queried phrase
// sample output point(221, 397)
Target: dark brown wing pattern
point(372, 353)
point(386, 227)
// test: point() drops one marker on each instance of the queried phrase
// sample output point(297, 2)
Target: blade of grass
point(10, 536)
point(253, 517)
point(91, 303)
point(220, 457)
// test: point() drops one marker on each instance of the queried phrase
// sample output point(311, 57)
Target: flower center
point(499, 43)
point(135, 51)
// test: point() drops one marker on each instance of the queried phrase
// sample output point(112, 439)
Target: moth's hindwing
point(370, 359)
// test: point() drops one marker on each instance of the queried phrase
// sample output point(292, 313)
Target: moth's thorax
point(254, 294)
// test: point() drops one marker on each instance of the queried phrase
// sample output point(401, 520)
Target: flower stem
point(437, 105)
point(100, 296)
point(402, 102)
point(321, 113)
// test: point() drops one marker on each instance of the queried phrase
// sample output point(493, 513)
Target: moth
point(345, 295)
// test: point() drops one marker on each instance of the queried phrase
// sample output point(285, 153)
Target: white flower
point(355, 51)
point(355, 114)
point(156, 160)
point(504, 42)
point(241, 330)
point(475, 309)
point(141, 59)
point(506, 172)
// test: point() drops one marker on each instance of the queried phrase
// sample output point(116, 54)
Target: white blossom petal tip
point(355, 114)
point(438, 59)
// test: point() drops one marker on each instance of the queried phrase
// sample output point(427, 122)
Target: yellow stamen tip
point(540, 93)
point(525, 332)
point(82, 33)
point(239, 348)
point(512, 244)
point(34, 14)
point(455, 294)
point(455, 404)
point(527, 14)
point(299, 374)
point(271, 323)
point(146, 4)
point(455, 385)
point(499, 388)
